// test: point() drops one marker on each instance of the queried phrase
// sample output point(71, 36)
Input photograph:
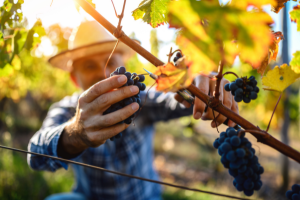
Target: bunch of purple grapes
point(243, 89)
point(293, 194)
point(132, 79)
point(239, 157)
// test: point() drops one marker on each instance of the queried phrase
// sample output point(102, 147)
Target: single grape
point(289, 194)
point(251, 78)
point(121, 70)
point(128, 75)
point(239, 92)
point(253, 95)
point(143, 87)
point(233, 86)
point(248, 192)
point(139, 85)
point(235, 141)
point(238, 98)
point(225, 147)
point(295, 197)
point(246, 99)
point(139, 101)
point(240, 153)
point(256, 89)
point(130, 82)
point(239, 82)
point(231, 156)
point(226, 87)
point(296, 188)
point(133, 74)
point(141, 78)
point(216, 143)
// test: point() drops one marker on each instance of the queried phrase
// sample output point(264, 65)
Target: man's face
point(89, 70)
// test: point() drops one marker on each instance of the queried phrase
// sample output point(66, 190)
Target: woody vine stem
point(211, 101)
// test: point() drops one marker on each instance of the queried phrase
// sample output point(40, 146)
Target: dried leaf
point(273, 51)
point(280, 5)
point(295, 63)
point(279, 78)
point(171, 78)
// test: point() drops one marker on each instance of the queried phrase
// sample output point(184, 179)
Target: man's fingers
point(227, 101)
point(96, 138)
point(102, 87)
point(181, 100)
point(201, 82)
point(103, 121)
point(101, 103)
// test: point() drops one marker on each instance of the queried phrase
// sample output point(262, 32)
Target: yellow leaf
point(171, 78)
point(279, 78)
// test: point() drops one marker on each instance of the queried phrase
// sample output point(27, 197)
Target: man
point(75, 128)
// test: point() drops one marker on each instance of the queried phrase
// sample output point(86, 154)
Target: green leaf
point(19, 40)
point(6, 70)
point(31, 40)
point(9, 13)
point(154, 12)
point(295, 16)
point(295, 62)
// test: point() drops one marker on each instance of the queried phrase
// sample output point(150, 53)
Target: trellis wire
point(122, 174)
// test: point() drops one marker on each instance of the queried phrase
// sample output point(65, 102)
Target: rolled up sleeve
point(45, 141)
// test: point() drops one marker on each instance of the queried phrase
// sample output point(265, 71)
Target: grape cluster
point(132, 79)
point(293, 194)
point(238, 156)
point(178, 55)
point(243, 89)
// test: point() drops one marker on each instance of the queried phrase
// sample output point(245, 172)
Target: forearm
point(69, 145)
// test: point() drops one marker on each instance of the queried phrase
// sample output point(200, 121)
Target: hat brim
point(65, 59)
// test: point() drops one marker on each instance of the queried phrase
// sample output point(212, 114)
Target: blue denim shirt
point(131, 154)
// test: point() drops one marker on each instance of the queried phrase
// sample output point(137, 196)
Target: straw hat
point(89, 38)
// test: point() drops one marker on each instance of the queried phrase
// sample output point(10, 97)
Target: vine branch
point(261, 136)
point(273, 112)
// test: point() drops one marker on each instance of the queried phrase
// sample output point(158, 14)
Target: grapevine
point(236, 151)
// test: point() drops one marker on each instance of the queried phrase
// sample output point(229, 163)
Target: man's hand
point(207, 86)
point(89, 127)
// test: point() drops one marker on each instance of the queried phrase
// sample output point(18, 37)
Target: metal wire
point(122, 174)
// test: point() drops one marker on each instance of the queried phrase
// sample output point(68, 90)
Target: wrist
point(70, 144)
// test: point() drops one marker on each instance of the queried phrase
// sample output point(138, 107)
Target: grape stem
point(231, 73)
point(273, 112)
point(261, 136)
point(218, 82)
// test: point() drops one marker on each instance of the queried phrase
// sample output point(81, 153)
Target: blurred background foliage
point(183, 147)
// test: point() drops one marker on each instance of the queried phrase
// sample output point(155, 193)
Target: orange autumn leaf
point(273, 51)
point(171, 78)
